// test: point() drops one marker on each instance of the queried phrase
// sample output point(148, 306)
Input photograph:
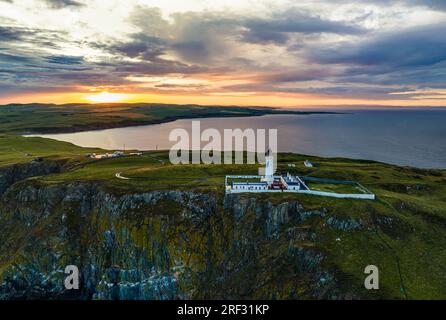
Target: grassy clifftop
point(402, 232)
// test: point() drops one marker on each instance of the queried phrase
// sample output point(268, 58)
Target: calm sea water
point(405, 137)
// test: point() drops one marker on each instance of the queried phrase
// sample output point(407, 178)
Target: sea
point(412, 137)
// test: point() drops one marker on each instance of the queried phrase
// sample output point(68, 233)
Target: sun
point(106, 97)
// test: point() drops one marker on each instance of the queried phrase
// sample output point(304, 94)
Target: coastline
point(130, 123)
point(319, 134)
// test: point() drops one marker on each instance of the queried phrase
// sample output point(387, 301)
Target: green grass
point(49, 118)
point(17, 149)
point(334, 187)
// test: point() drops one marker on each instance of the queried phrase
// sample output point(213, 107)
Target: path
point(153, 157)
point(118, 175)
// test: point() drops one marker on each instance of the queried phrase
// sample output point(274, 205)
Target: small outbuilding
point(308, 164)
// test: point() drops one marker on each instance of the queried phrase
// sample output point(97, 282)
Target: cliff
point(200, 244)
point(17, 172)
point(159, 245)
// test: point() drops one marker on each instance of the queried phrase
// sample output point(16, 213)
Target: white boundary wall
point(369, 196)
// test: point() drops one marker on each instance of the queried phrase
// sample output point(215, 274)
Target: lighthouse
point(269, 168)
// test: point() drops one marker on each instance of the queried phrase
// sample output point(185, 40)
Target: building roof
point(250, 183)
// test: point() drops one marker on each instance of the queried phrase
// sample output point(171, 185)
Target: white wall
point(316, 193)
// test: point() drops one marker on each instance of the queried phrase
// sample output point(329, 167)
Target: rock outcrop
point(38, 167)
point(160, 244)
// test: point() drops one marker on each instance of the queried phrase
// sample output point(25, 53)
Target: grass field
point(148, 171)
point(16, 149)
point(48, 118)
point(334, 187)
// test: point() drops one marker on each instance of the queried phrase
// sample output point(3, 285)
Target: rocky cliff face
point(12, 174)
point(161, 245)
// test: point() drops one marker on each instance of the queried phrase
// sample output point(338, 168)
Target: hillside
point(52, 118)
point(170, 232)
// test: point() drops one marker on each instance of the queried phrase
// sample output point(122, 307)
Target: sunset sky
point(271, 53)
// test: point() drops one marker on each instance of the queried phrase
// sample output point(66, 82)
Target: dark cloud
point(433, 4)
point(25, 88)
point(40, 38)
point(205, 37)
point(13, 58)
point(193, 50)
point(421, 76)
point(60, 4)
point(331, 90)
point(349, 91)
point(422, 46)
point(140, 46)
point(161, 67)
point(65, 60)
point(12, 34)
point(298, 75)
point(29, 68)
point(278, 28)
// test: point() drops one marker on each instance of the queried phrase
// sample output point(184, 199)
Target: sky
point(283, 53)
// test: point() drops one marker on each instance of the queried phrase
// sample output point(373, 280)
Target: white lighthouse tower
point(269, 168)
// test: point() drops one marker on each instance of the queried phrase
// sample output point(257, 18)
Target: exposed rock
point(159, 245)
point(345, 224)
point(12, 174)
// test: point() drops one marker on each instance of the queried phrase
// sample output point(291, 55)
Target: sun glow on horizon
point(106, 97)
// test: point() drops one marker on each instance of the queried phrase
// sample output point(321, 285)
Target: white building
point(107, 155)
point(254, 186)
point(118, 154)
point(285, 183)
point(292, 183)
point(308, 164)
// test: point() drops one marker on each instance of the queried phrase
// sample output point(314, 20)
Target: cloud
point(289, 50)
point(139, 46)
point(278, 28)
point(297, 75)
point(433, 4)
point(60, 4)
point(205, 37)
point(41, 38)
point(200, 37)
point(11, 58)
point(65, 60)
point(159, 68)
point(10, 34)
point(421, 46)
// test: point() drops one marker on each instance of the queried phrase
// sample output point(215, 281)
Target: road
point(153, 157)
point(118, 175)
